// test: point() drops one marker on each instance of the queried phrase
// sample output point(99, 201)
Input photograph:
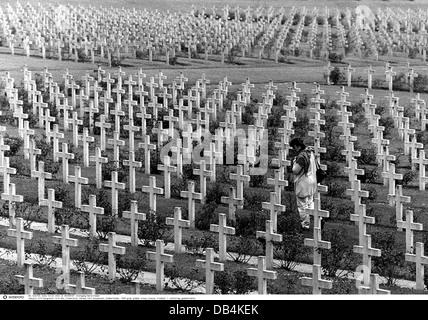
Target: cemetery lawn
point(299, 69)
point(288, 282)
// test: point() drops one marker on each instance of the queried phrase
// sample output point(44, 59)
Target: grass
point(287, 282)
point(304, 71)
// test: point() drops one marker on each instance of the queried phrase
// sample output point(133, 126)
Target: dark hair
point(297, 142)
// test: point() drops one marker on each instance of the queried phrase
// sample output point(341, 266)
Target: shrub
point(233, 282)
point(253, 199)
point(214, 193)
point(336, 76)
point(109, 167)
point(177, 186)
point(372, 194)
point(408, 177)
point(14, 143)
point(28, 212)
point(62, 193)
point(371, 174)
point(71, 216)
point(303, 101)
point(367, 157)
point(243, 247)
point(274, 119)
point(399, 83)
point(292, 248)
point(420, 84)
point(335, 57)
point(334, 149)
point(422, 137)
point(391, 261)
point(188, 172)
point(152, 229)
point(223, 174)
point(131, 265)
point(124, 201)
point(198, 243)
point(340, 257)
point(342, 285)
point(22, 166)
point(140, 54)
point(333, 169)
point(388, 123)
point(90, 258)
point(177, 282)
point(246, 224)
point(106, 223)
point(335, 189)
point(232, 54)
point(257, 181)
point(10, 284)
point(42, 253)
point(206, 215)
point(301, 125)
point(337, 211)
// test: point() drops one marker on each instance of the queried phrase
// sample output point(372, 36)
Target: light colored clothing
point(302, 204)
point(307, 202)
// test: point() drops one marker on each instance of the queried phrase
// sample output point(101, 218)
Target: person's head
point(297, 144)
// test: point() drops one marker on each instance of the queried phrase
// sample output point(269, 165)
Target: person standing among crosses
point(303, 165)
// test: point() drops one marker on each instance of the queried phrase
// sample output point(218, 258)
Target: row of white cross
point(91, 208)
point(59, 30)
point(234, 201)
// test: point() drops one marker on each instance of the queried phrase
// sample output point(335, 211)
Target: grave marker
point(115, 185)
point(78, 180)
point(152, 190)
point(392, 176)
point(240, 178)
point(112, 249)
point(99, 160)
point(51, 204)
point(269, 237)
point(160, 258)
point(274, 207)
point(65, 155)
point(66, 242)
point(132, 164)
point(28, 281)
point(398, 198)
point(373, 287)
point(420, 260)
point(93, 210)
point(178, 224)
point(116, 143)
point(192, 196)
point(203, 173)
point(210, 267)
point(421, 161)
point(134, 216)
point(366, 250)
point(262, 275)
point(167, 169)
point(409, 225)
point(80, 287)
point(20, 236)
point(233, 202)
point(316, 282)
point(223, 231)
point(12, 198)
point(41, 175)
